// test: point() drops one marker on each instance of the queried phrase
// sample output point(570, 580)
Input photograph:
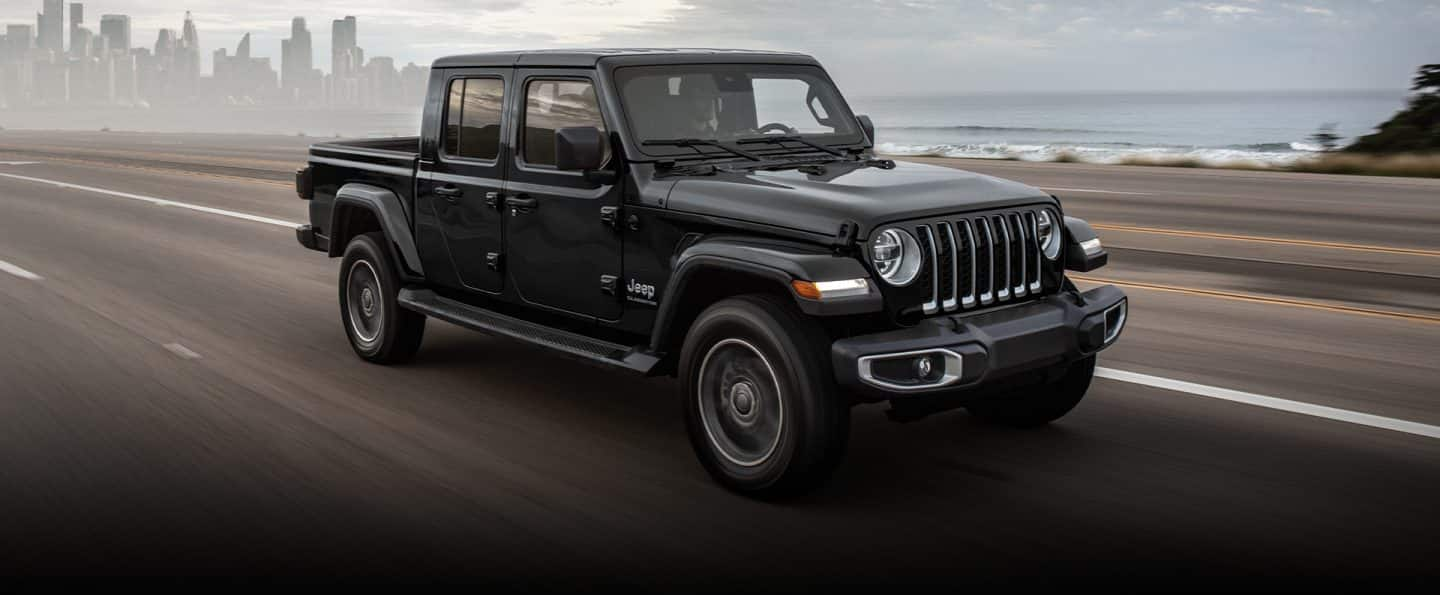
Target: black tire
point(380, 330)
point(747, 358)
point(1040, 405)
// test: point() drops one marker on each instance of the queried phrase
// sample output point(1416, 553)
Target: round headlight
point(1049, 235)
point(896, 256)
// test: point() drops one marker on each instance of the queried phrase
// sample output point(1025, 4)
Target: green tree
point(1415, 129)
point(1428, 79)
point(1326, 138)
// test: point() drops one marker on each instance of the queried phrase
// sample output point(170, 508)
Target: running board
point(426, 302)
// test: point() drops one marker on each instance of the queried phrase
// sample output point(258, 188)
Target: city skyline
point(45, 66)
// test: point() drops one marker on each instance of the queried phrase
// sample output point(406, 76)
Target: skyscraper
point(79, 36)
point(343, 35)
point(187, 60)
point(297, 57)
point(115, 28)
point(52, 26)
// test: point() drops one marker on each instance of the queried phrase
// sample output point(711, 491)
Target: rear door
point(464, 184)
point(560, 253)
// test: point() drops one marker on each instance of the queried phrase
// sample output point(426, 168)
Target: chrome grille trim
point(933, 305)
point(988, 297)
point(980, 240)
point(1035, 234)
point(970, 298)
point(953, 301)
point(1004, 293)
point(1014, 219)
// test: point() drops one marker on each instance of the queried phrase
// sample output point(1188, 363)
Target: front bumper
point(965, 353)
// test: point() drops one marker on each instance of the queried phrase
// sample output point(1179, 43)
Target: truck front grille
point(980, 260)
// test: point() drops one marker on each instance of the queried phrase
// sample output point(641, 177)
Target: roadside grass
point(1405, 165)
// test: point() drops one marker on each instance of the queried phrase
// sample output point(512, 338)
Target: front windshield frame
point(847, 132)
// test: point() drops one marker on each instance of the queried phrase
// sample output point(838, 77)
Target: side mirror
point(867, 126)
point(579, 149)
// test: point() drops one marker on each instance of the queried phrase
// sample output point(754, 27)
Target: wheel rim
point(367, 314)
point(741, 404)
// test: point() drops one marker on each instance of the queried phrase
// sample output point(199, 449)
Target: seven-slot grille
point(979, 260)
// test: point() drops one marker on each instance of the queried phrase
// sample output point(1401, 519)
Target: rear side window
point(472, 120)
point(552, 105)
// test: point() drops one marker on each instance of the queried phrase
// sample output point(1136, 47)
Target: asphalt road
point(177, 396)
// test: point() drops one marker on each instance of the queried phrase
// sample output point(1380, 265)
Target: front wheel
point(380, 330)
point(1040, 405)
point(761, 407)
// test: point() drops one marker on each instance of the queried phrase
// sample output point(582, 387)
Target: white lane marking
point(19, 272)
point(19, 163)
point(160, 202)
point(1225, 394)
point(181, 350)
point(1096, 191)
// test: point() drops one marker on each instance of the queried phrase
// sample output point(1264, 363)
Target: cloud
point(1229, 9)
point(1311, 10)
point(873, 46)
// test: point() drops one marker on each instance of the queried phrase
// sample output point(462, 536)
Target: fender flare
point(386, 207)
point(775, 261)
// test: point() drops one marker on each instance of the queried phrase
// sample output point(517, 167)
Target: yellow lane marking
point(1267, 240)
point(1274, 301)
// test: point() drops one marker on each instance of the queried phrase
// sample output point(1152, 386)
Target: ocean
point(1217, 127)
point(1269, 127)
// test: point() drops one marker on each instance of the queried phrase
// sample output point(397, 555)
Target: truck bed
point(387, 163)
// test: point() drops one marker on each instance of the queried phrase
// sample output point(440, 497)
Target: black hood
point(867, 195)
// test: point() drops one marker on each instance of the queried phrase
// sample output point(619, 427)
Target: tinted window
point(472, 124)
point(452, 117)
point(552, 105)
point(729, 102)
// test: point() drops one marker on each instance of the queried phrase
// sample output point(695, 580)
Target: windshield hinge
point(845, 237)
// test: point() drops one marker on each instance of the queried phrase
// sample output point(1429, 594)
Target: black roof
point(587, 58)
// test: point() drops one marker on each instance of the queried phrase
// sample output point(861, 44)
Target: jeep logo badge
point(643, 293)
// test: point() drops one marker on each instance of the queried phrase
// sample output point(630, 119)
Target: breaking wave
point(1109, 152)
point(992, 129)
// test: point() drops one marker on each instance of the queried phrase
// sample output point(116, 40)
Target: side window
point(472, 124)
point(452, 117)
point(551, 105)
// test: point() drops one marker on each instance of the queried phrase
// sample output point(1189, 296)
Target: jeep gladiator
point(720, 217)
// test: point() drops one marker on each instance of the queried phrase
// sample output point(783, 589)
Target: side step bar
point(426, 302)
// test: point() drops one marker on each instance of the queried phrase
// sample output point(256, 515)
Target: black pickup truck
point(718, 216)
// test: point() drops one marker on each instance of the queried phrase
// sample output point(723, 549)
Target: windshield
point(731, 103)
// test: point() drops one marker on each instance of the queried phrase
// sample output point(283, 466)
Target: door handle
point(450, 193)
point(521, 204)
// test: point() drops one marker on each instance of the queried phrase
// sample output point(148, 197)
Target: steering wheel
point(774, 126)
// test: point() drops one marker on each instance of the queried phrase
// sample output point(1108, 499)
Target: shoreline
point(1402, 165)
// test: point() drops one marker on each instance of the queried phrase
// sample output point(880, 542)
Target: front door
point(560, 253)
point(463, 186)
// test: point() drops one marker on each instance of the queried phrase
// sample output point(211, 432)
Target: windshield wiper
point(793, 138)
point(696, 143)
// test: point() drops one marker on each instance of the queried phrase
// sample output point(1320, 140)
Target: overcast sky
point(877, 47)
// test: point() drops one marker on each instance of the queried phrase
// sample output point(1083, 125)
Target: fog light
point(923, 367)
point(914, 370)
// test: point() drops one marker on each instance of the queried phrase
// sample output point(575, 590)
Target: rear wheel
point(1040, 405)
point(760, 401)
point(380, 330)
